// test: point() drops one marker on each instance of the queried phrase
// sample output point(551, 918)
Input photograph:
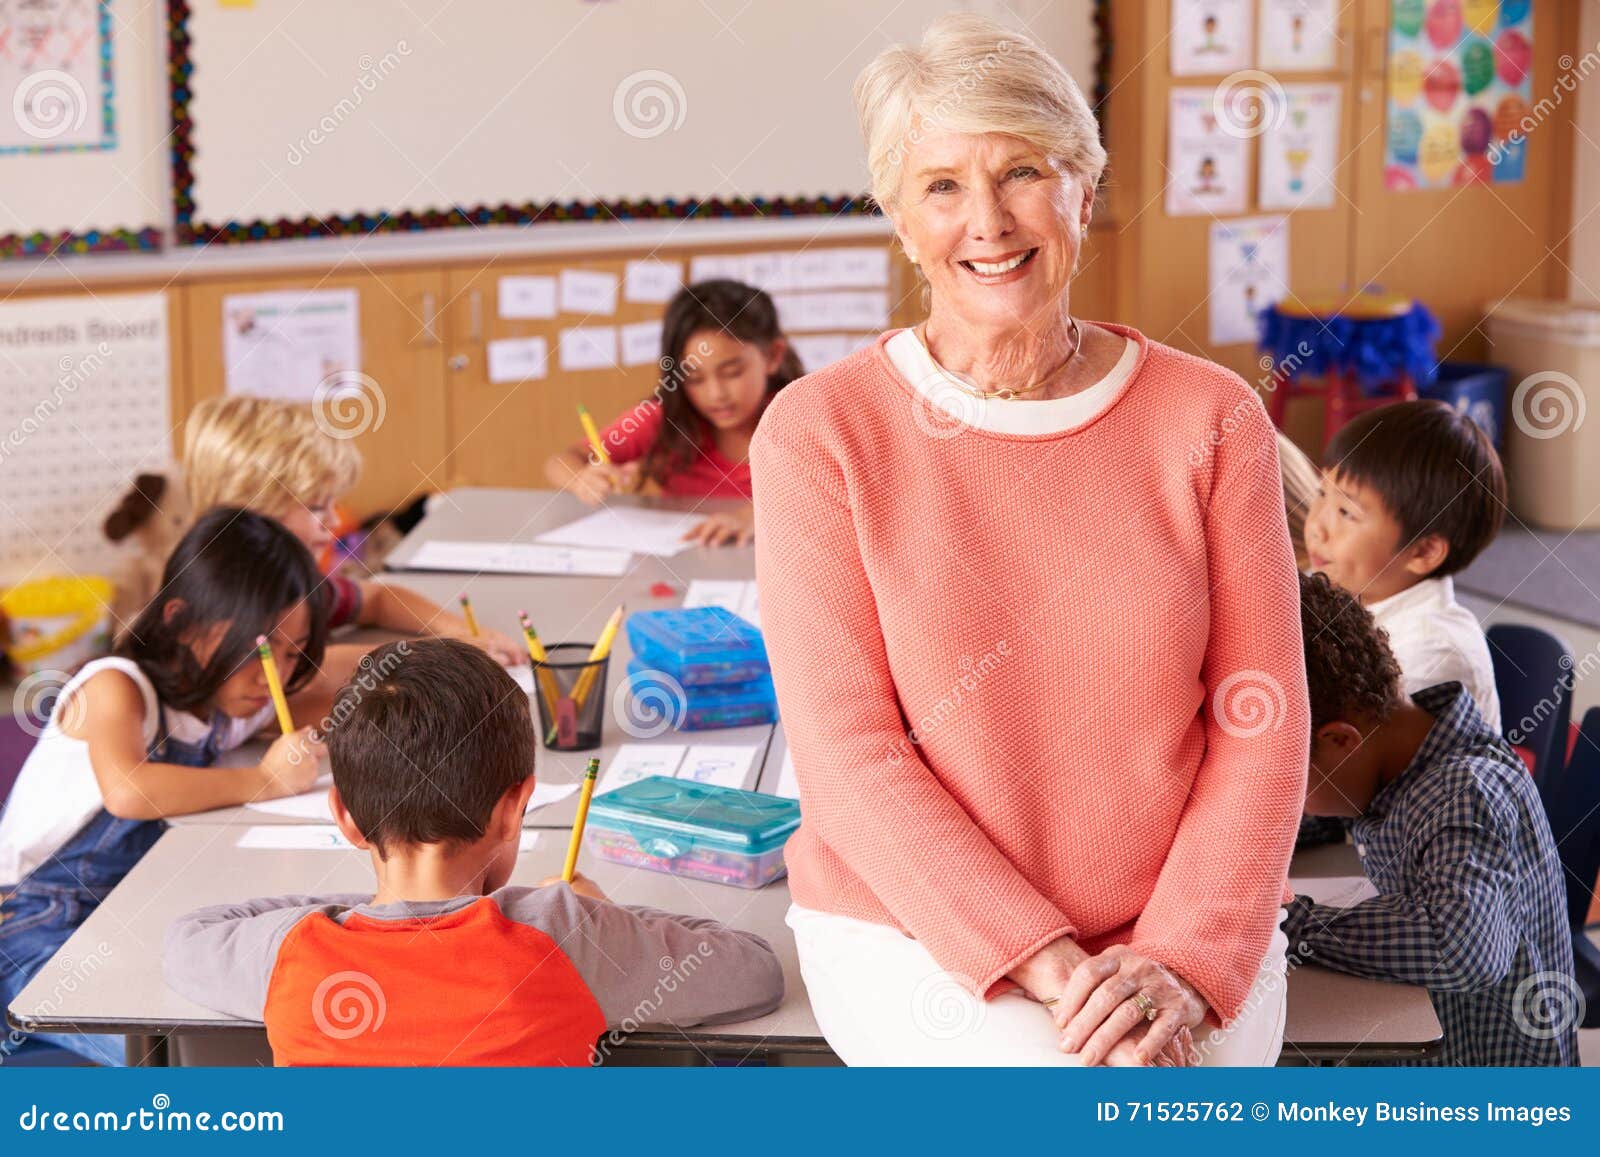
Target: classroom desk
point(563, 609)
point(1331, 1018)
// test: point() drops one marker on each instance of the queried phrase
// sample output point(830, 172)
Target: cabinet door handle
point(475, 308)
point(430, 320)
point(458, 362)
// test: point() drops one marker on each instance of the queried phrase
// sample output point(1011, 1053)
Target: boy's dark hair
point(1434, 469)
point(1350, 670)
point(425, 738)
point(234, 567)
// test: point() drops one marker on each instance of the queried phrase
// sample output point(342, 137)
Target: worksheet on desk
point(518, 558)
point(313, 805)
point(658, 532)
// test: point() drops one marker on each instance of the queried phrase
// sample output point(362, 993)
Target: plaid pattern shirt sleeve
point(1471, 902)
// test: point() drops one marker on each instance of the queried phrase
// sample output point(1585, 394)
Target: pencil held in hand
point(584, 797)
point(275, 685)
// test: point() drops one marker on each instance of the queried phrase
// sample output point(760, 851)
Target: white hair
point(974, 75)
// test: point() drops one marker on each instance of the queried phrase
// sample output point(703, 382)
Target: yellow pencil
point(601, 649)
point(593, 434)
point(274, 685)
point(584, 797)
point(536, 652)
point(472, 619)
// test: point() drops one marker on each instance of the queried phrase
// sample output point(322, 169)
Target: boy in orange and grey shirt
point(446, 964)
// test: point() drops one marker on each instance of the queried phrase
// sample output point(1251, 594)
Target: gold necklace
point(1005, 393)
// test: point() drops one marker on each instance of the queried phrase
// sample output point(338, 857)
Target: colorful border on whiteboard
point(189, 231)
point(108, 108)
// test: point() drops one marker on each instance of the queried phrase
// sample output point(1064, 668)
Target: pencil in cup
point(536, 654)
point(275, 685)
point(584, 796)
point(593, 434)
point(586, 679)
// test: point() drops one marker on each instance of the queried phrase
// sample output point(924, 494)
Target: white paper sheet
point(1299, 35)
point(589, 292)
point(636, 761)
point(1210, 37)
point(1249, 270)
point(589, 347)
point(1338, 891)
point(739, 598)
point(862, 309)
point(788, 783)
point(721, 764)
point(657, 532)
point(714, 265)
point(816, 350)
point(651, 281)
point(326, 838)
point(519, 359)
point(1206, 158)
point(313, 805)
point(295, 344)
point(641, 343)
point(1300, 151)
point(527, 297)
point(518, 558)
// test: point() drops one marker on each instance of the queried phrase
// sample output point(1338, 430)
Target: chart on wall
point(1460, 86)
point(1249, 270)
point(56, 76)
point(84, 407)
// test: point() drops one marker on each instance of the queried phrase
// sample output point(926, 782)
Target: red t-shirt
point(709, 474)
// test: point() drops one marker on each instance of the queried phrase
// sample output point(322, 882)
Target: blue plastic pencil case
point(704, 706)
point(698, 830)
point(699, 645)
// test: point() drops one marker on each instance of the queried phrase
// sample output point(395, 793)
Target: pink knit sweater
point(1038, 685)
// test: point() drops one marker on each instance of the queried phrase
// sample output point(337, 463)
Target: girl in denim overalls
point(125, 733)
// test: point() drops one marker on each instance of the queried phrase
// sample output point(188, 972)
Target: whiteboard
point(117, 195)
point(331, 117)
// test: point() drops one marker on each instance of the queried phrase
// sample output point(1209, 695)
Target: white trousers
point(881, 1000)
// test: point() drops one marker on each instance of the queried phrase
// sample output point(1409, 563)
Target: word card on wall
point(84, 406)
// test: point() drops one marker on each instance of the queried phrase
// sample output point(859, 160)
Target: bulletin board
point(84, 169)
point(431, 114)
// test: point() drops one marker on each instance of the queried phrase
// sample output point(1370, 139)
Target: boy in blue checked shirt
point(1451, 833)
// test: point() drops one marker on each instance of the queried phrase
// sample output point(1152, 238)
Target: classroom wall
point(1583, 278)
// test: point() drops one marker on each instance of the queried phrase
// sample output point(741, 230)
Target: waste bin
point(1552, 428)
point(1478, 391)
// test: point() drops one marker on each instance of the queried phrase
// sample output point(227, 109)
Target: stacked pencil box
point(706, 665)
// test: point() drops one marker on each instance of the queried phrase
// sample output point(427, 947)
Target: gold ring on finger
point(1146, 1006)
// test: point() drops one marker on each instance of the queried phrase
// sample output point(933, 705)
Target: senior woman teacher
point(1032, 612)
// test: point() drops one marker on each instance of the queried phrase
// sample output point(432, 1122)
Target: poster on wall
point(1299, 35)
point(297, 345)
point(1206, 162)
point(55, 76)
point(1210, 37)
point(1249, 270)
point(1300, 150)
point(1459, 89)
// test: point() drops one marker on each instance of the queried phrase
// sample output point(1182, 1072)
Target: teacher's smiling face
point(994, 224)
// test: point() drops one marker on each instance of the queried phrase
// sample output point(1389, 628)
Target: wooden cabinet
point(407, 452)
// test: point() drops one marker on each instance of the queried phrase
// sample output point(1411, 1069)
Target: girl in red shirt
point(723, 357)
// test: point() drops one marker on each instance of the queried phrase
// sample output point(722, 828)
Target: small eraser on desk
point(662, 590)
